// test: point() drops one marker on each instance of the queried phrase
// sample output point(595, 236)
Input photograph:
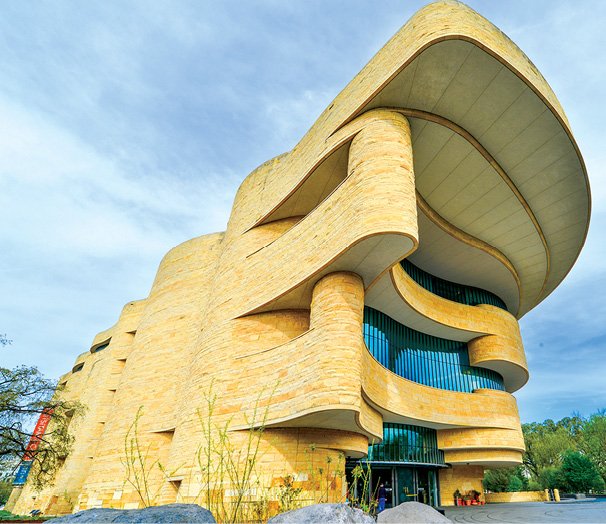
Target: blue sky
point(126, 128)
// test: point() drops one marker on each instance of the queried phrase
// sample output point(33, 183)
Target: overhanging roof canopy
point(496, 166)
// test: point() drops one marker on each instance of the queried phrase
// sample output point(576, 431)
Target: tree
point(593, 443)
point(25, 395)
point(547, 442)
point(6, 487)
point(579, 474)
point(515, 484)
point(497, 480)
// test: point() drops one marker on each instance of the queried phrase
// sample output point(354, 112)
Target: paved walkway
point(530, 513)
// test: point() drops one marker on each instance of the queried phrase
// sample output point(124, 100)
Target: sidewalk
point(576, 512)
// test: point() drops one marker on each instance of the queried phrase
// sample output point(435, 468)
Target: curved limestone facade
point(448, 150)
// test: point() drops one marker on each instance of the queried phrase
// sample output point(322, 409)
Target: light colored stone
point(270, 312)
point(324, 513)
point(412, 513)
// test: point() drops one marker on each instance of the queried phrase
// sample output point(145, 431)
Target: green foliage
point(7, 516)
point(219, 460)
point(288, 494)
point(549, 442)
point(520, 472)
point(506, 479)
point(362, 475)
point(6, 486)
point(323, 478)
point(515, 484)
point(579, 474)
point(497, 480)
point(593, 443)
point(139, 468)
point(533, 485)
point(24, 395)
point(550, 478)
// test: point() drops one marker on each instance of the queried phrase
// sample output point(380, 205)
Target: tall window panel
point(407, 443)
point(424, 359)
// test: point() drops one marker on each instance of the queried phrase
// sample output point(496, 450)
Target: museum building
point(365, 294)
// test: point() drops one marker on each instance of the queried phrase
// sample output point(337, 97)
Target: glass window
point(422, 358)
point(468, 295)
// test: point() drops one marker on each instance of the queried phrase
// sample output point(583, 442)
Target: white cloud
point(82, 236)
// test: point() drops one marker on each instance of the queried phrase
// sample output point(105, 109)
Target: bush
point(496, 480)
point(533, 485)
point(515, 484)
point(551, 478)
point(507, 479)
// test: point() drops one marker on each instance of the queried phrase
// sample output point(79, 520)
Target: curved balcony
point(468, 295)
point(424, 359)
point(491, 333)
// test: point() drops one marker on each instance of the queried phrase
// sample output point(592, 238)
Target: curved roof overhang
point(496, 166)
point(492, 159)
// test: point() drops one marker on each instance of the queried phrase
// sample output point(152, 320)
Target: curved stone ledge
point(489, 458)
point(435, 23)
point(474, 242)
point(312, 380)
point(502, 353)
point(450, 27)
point(469, 438)
point(492, 334)
point(366, 225)
point(352, 444)
point(491, 447)
point(405, 402)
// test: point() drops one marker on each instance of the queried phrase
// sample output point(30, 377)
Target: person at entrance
point(382, 496)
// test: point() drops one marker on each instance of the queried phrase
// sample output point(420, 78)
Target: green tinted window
point(468, 295)
point(406, 443)
point(424, 359)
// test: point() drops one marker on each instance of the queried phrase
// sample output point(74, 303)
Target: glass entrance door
point(419, 484)
point(423, 490)
point(383, 476)
point(407, 485)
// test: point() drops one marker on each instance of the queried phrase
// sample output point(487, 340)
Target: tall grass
point(140, 468)
point(227, 462)
point(222, 463)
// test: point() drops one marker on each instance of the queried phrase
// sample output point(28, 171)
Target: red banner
point(34, 441)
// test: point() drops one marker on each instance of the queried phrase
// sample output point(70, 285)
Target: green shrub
point(533, 485)
point(551, 478)
point(515, 484)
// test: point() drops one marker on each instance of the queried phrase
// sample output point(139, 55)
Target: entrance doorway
point(383, 476)
point(403, 483)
